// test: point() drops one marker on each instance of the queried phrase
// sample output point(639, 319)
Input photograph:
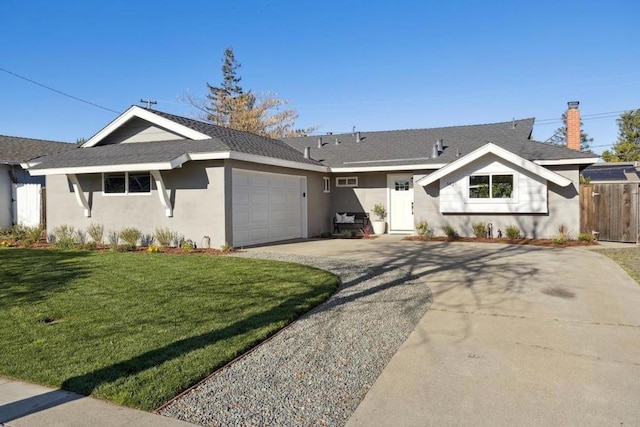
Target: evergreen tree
point(230, 106)
point(560, 135)
point(627, 148)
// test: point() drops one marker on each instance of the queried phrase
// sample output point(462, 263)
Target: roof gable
point(501, 153)
point(149, 116)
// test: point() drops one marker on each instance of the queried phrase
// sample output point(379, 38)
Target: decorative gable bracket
point(80, 197)
point(162, 193)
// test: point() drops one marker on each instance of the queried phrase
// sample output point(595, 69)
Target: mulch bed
point(533, 242)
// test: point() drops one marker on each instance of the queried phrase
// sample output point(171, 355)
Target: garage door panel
point(266, 207)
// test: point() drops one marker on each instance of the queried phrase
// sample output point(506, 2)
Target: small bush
point(559, 240)
point(563, 233)
point(81, 237)
point(64, 236)
point(226, 247)
point(90, 246)
point(512, 232)
point(112, 236)
point(366, 231)
point(96, 232)
point(16, 232)
point(450, 232)
point(164, 236)
point(130, 235)
point(423, 230)
point(125, 248)
point(146, 240)
point(32, 235)
point(479, 229)
point(584, 237)
point(153, 249)
point(188, 245)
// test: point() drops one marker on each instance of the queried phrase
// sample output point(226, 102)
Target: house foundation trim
point(162, 193)
point(80, 197)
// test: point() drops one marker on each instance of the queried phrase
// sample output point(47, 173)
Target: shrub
point(226, 247)
point(32, 235)
point(153, 249)
point(81, 237)
point(188, 245)
point(113, 240)
point(559, 240)
point(423, 230)
point(563, 232)
point(64, 236)
point(366, 231)
point(512, 232)
point(96, 232)
point(164, 236)
point(130, 235)
point(479, 229)
point(146, 240)
point(450, 232)
point(584, 237)
point(90, 246)
point(16, 232)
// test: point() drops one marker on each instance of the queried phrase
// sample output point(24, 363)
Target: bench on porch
point(350, 220)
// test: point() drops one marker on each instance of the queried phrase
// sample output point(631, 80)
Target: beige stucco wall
point(563, 204)
point(371, 189)
point(196, 191)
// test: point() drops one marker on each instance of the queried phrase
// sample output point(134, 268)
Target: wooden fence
point(610, 211)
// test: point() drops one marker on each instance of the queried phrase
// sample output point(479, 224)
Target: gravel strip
point(316, 371)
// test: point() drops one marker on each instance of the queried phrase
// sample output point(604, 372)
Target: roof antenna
point(148, 102)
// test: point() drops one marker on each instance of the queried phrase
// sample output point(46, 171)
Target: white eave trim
point(136, 167)
point(582, 161)
point(150, 116)
point(387, 168)
point(179, 161)
point(510, 157)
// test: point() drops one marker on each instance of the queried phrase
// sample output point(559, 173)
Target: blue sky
point(376, 65)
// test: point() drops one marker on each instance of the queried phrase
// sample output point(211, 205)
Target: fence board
point(611, 210)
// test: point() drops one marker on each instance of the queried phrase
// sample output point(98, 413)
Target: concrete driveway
point(514, 336)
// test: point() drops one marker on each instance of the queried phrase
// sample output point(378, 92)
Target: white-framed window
point(326, 184)
point(491, 186)
point(126, 183)
point(347, 181)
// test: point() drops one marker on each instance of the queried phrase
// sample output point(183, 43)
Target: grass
point(138, 328)
point(627, 258)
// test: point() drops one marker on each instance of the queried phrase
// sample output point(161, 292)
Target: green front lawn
point(138, 328)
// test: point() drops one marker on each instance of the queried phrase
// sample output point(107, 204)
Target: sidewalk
point(30, 405)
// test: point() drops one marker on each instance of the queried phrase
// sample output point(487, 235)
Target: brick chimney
point(573, 125)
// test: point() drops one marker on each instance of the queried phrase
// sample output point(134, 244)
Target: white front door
point(400, 189)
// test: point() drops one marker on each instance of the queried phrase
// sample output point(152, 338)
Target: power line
point(58, 91)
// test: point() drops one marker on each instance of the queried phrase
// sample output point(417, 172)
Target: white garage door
point(267, 207)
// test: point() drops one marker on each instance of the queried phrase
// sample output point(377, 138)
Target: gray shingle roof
point(415, 146)
point(222, 140)
point(15, 150)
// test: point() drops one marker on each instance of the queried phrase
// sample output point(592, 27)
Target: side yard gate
point(610, 211)
point(28, 204)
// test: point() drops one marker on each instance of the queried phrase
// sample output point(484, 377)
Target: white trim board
point(510, 157)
